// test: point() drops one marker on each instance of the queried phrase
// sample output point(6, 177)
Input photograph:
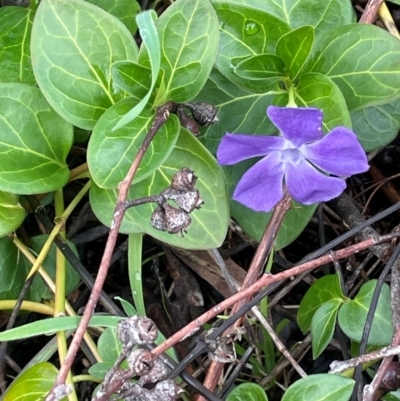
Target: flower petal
point(261, 187)
point(307, 185)
point(299, 125)
point(234, 148)
point(338, 153)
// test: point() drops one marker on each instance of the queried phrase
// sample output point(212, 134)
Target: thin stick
point(119, 211)
point(370, 11)
point(264, 281)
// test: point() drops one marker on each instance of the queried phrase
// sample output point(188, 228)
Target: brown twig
point(257, 263)
point(119, 211)
point(371, 389)
point(370, 11)
point(264, 281)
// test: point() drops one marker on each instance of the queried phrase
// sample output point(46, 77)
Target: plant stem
point(119, 211)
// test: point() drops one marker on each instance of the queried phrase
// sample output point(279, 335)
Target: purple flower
point(301, 157)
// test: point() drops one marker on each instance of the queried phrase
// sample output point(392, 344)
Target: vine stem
point(119, 211)
point(254, 272)
point(266, 280)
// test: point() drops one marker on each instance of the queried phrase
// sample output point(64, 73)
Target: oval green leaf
point(110, 153)
point(12, 214)
point(125, 10)
point(353, 314)
point(209, 224)
point(240, 111)
point(189, 33)
point(74, 44)
point(266, 69)
point(133, 78)
point(320, 387)
point(376, 126)
point(325, 289)
point(245, 32)
point(322, 15)
point(34, 142)
point(15, 36)
point(247, 392)
point(33, 384)
point(109, 345)
point(323, 326)
point(363, 60)
point(294, 48)
point(317, 90)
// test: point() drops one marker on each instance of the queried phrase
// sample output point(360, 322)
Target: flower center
point(292, 156)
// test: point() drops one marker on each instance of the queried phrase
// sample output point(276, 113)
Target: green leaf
point(99, 370)
point(188, 32)
point(135, 271)
point(320, 387)
point(244, 32)
point(150, 39)
point(325, 289)
point(14, 269)
point(15, 36)
point(125, 10)
point(317, 90)
point(353, 314)
point(266, 69)
point(240, 110)
point(209, 224)
point(254, 223)
point(362, 60)
point(12, 214)
point(33, 384)
point(74, 44)
point(10, 275)
point(322, 15)
point(323, 325)
point(376, 126)
point(247, 392)
point(109, 345)
point(393, 395)
point(132, 78)
point(129, 309)
point(34, 142)
point(294, 48)
point(52, 325)
point(110, 153)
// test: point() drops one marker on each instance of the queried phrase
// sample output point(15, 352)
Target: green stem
point(9, 304)
point(290, 88)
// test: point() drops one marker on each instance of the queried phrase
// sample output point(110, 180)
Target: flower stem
point(290, 87)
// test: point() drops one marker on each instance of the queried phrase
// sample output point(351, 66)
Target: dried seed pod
point(158, 373)
point(187, 122)
point(391, 378)
point(183, 180)
point(140, 361)
point(177, 220)
point(138, 330)
point(170, 219)
point(186, 200)
point(203, 113)
point(166, 390)
point(157, 219)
